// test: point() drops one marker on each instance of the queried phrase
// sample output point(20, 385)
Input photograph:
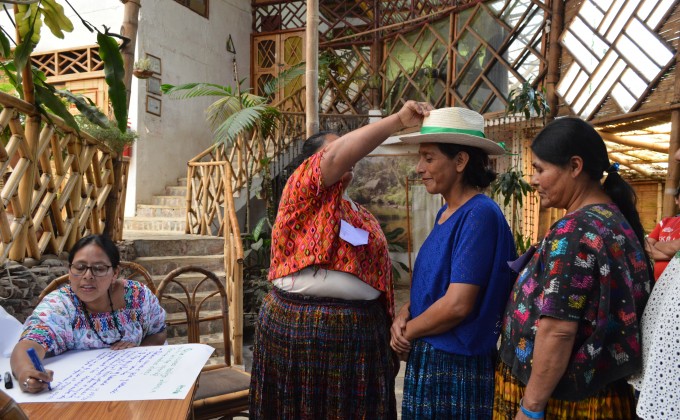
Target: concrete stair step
point(164, 264)
point(168, 200)
point(211, 328)
point(183, 244)
point(150, 210)
point(189, 280)
point(176, 190)
point(182, 182)
point(172, 224)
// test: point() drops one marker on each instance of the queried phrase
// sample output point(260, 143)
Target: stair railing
point(72, 179)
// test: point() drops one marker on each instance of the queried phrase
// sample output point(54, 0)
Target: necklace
point(113, 315)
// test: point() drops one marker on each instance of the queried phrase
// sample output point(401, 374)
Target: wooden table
point(118, 410)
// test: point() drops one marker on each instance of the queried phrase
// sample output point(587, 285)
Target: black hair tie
point(613, 168)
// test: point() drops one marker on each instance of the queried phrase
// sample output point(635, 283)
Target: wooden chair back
point(128, 270)
point(193, 300)
point(222, 390)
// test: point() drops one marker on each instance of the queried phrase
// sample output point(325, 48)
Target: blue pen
point(36, 363)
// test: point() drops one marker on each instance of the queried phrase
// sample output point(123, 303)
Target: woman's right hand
point(34, 381)
point(412, 113)
point(398, 342)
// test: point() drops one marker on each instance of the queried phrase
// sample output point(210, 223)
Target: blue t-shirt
point(472, 246)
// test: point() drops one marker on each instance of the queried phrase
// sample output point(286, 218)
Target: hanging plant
point(527, 100)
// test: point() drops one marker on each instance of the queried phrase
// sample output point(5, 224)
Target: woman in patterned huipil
point(571, 331)
point(322, 339)
point(96, 309)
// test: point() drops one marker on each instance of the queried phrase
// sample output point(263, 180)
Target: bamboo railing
point(72, 178)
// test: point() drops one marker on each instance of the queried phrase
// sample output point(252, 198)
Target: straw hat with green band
point(454, 125)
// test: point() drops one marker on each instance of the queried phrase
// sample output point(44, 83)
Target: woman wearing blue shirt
point(461, 280)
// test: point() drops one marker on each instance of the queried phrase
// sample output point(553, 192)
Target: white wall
point(192, 49)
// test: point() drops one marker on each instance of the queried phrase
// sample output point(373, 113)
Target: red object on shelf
point(127, 150)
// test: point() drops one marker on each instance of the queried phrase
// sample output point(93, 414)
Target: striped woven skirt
point(321, 358)
point(615, 401)
point(441, 385)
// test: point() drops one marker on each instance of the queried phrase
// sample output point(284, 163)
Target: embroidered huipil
point(589, 269)
point(307, 232)
point(58, 323)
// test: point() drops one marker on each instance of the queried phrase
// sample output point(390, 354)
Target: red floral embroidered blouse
point(307, 232)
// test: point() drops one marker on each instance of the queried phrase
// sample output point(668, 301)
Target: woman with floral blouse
point(571, 330)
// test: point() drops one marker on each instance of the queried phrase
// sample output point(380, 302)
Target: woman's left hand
point(122, 345)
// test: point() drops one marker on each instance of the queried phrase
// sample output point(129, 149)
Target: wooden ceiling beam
point(633, 143)
point(633, 166)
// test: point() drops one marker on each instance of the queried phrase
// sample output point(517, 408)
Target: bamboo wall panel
point(72, 181)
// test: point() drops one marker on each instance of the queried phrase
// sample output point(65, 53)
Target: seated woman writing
point(96, 309)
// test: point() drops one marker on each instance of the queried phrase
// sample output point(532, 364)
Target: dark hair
point(567, 137)
point(102, 242)
point(677, 193)
point(477, 173)
point(314, 143)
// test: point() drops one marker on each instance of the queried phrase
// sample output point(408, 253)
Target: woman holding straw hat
point(322, 338)
point(461, 280)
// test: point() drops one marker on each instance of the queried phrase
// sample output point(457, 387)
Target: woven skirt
point(441, 385)
point(322, 358)
point(615, 401)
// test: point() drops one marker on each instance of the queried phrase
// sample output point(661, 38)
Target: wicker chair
point(128, 270)
point(222, 390)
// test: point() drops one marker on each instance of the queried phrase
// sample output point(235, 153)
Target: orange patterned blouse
point(307, 232)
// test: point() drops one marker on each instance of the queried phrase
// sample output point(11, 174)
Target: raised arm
point(342, 154)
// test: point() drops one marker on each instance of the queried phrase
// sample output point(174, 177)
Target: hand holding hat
point(413, 113)
point(457, 126)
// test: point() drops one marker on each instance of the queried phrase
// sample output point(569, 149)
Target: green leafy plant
point(232, 113)
point(110, 134)
point(143, 64)
point(527, 100)
point(513, 188)
point(28, 21)
point(392, 237)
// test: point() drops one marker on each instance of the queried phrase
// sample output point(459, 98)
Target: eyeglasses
point(98, 270)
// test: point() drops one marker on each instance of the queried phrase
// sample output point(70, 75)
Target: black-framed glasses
point(98, 270)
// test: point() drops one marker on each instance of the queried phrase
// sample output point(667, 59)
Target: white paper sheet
point(11, 330)
point(353, 235)
point(139, 373)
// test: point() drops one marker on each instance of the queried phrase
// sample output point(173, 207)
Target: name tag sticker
point(354, 236)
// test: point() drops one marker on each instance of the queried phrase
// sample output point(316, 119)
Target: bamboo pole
point(553, 75)
point(633, 143)
point(312, 72)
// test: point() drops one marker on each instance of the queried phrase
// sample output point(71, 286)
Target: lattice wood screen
point(69, 62)
point(470, 57)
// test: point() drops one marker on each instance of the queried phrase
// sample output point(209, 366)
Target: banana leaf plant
point(28, 19)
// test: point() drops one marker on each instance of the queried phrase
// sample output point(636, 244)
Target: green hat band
point(434, 130)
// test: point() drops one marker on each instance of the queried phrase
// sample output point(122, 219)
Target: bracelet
point(529, 413)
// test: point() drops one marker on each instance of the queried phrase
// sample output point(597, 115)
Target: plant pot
point(142, 74)
point(127, 150)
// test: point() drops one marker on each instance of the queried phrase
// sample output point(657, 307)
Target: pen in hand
point(36, 363)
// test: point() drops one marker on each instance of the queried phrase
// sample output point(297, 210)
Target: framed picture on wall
point(153, 105)
point(153, 85)
point(155, 63)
